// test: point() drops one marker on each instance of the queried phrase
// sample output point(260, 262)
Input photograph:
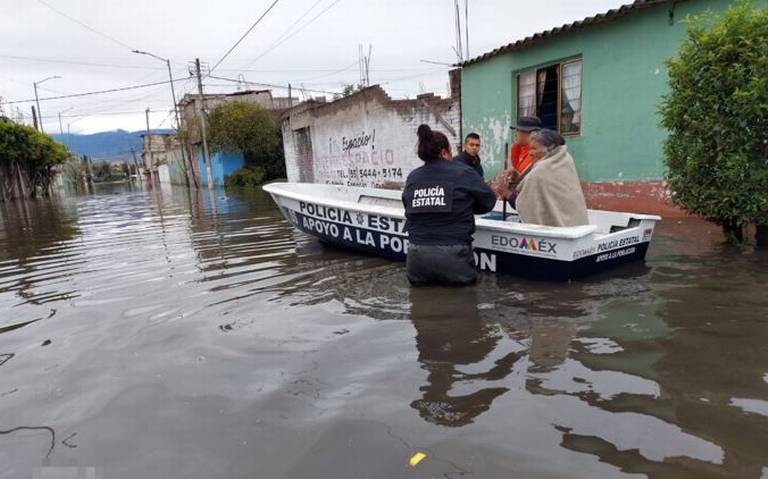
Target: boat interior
point(606, 222)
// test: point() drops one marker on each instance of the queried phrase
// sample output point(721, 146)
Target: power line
point(326, 70)
point(284, 87)
point(74, 62)
point(335, 72)
point(104, 113)
point(111, 90)
point(242, 37)
point(288, 30)
point(275, 45)
point(87, 27)
point(170, 113)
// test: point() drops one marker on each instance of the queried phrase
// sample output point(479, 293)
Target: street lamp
point(175, 109)
point(170, 76)
point(37, 100)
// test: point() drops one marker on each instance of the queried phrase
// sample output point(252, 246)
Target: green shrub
point(248, 176)
point(252, 130)
point(717, 115)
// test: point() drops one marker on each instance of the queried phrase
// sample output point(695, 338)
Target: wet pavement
point(162, 334)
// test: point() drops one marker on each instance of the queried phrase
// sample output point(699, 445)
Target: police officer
point(441, 199)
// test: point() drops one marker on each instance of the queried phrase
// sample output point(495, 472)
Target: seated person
point(441, 198)
point(550, 193)
point(519, 156)
point(519, 159)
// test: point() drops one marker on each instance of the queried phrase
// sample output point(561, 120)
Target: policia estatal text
point(441, 199)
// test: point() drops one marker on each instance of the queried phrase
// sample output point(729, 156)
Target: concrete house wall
point(164, 150)
point(223, 164)
point(619, 150)
point(366, 139)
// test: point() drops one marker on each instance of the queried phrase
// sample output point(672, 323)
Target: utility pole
point(34, 118)
point(135, 164)
point(188, 167)
point(466, 26)
point(148, 147)
point(37, 100)
point(61, 128)
point(88, 169)
point(203, 130)
point(39, 119)
point(184, 160)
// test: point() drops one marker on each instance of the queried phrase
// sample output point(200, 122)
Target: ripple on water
point(186, 328)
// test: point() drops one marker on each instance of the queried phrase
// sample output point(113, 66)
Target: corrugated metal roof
point(608, 16)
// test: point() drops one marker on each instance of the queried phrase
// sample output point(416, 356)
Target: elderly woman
point(550, 194)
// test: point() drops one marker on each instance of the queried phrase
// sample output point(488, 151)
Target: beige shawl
point(550, 194)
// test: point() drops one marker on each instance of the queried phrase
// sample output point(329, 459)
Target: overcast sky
point(319, 48)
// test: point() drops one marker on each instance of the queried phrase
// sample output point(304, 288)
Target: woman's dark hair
point(431, 143)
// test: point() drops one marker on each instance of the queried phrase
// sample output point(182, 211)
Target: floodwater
point(158, 334)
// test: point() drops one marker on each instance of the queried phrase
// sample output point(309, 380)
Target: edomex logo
point(525, 244)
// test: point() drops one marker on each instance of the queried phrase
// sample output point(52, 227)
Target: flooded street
point(162, 334)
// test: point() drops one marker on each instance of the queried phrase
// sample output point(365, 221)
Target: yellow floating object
point(416, 459)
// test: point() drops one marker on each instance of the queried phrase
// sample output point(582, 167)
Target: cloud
point(318, 56)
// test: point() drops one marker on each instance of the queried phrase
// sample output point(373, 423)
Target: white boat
point(372, 220)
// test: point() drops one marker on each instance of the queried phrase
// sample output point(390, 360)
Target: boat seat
point(632, 223)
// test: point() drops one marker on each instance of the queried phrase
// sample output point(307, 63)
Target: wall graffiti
point(355, 160)
point(368, 143)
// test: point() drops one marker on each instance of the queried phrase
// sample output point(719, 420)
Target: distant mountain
point(106, 145)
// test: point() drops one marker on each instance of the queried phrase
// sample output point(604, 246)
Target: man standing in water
point(470, 155)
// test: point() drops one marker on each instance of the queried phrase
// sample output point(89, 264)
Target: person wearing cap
point(520, 158)
point(470, 154)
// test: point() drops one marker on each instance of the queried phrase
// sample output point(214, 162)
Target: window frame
point(560, 63)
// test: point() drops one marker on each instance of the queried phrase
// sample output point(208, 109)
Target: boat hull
point(499, 247)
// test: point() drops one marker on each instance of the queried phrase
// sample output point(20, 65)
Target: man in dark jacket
point(471, 154)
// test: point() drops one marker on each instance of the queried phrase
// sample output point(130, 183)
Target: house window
point(552, 93)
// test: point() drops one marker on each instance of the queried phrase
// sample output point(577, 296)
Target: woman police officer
point(441, 199)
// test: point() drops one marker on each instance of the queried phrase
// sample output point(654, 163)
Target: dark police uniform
point(471, 161)
point(441, 199)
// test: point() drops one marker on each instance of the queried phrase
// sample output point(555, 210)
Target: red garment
point(520, 158)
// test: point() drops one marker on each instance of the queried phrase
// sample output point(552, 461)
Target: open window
point(553, 93)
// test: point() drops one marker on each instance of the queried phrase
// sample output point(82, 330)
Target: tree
point(716, 112)
point(252, 130)
point(102, 170)
point(27, 160)
point(349, 89)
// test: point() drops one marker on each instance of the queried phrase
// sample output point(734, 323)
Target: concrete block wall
point(365, 139)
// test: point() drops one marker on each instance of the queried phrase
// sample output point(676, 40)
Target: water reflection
point(36, 257)
point(454, 344)
point(708, 360)
point(658, 370)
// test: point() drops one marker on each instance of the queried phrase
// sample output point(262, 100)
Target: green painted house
point(599, 82)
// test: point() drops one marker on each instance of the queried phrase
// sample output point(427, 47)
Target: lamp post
point(37, 100)
point(175, 108)
point(170, 76)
